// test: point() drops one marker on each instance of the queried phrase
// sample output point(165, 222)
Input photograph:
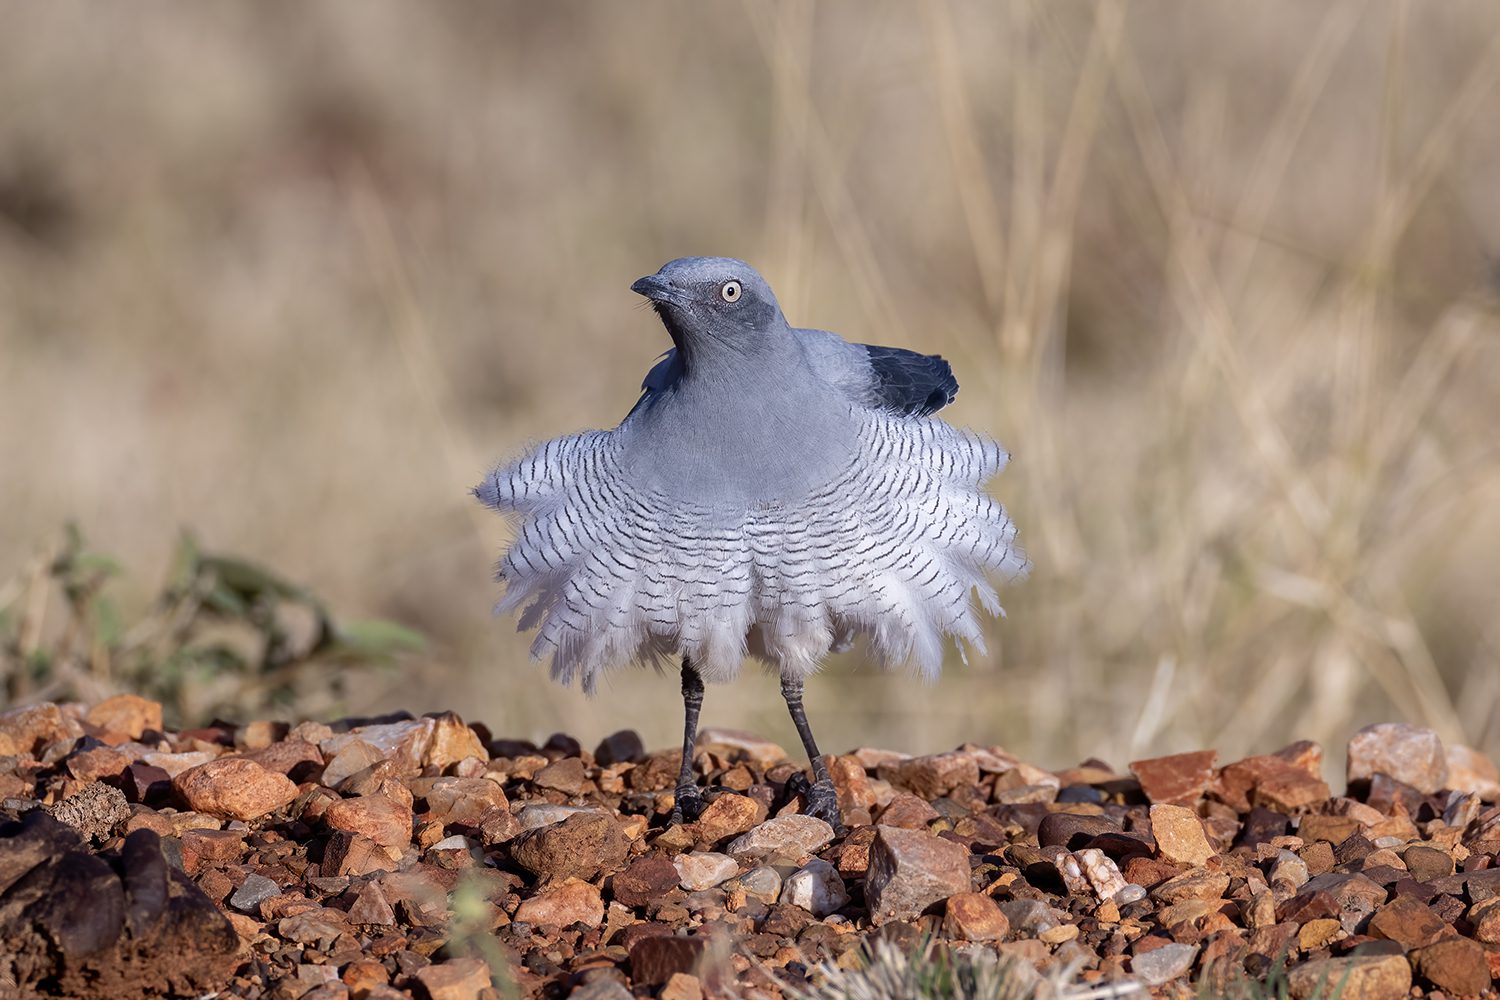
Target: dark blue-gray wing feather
point(910, 383)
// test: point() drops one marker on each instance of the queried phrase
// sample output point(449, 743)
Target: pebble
point(1179, 835)
point(817, 888)
point(384, 820)
point(911, 870)
point(700, 870)
point(581, 846)
point(234, 787)
point(129, 715)
point(1412, 755)
point(792, 837)
point(623, 747)
point(455, 979)
point(1180, 779)
point(255, 890)
point(729, 815)
point(973, 916)
point(572, 902)
point(1375, 977)
point(1160, 965)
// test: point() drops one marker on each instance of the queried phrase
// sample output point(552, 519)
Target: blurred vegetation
point(1221, 276)
point(225, 638)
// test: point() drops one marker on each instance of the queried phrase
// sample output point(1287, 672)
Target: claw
point(823, 802)
point(688, 805)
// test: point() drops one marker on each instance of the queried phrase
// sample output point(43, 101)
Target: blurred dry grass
point(1221, 276)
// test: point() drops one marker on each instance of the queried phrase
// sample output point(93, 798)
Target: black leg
point(822, 799)
point(689, 802)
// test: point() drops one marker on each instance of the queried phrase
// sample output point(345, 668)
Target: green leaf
point(375, 638)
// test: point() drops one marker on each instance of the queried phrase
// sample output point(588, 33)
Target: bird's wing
point(667, 370)
point(885, 378)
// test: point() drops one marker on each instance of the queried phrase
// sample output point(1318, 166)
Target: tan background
point(1222, 276)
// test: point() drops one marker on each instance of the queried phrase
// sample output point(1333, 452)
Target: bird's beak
point(659, 290)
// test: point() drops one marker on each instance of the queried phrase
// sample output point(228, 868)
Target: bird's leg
point(688, 802)
point(822, 799)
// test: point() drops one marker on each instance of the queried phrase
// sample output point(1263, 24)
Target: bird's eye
point(731, 291)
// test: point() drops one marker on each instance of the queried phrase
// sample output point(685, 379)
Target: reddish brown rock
point(211, 849)
point(1377, 977)
point(1180, 779)
point(581, 846)
point(384, 820)
point(908, 812)
point(566, 775)
point(464, 800)
point(935, 775)
point(647, 878)
point(25, 730)
point(656, 959)
point(455, 979)
point(234, 787)
point(128, 715)
point(96, 764)
point(729, 815)
point(851, 782)
point(911, 870)
point(1473, 772)
point(1455, 965)
point(791, 837)
point(371, 908)
point(973, 916)
point(1179, 835)
point(1406, 922)
point(571, 902)
point(354, 854)
point(297, 759)
point(1410, 754)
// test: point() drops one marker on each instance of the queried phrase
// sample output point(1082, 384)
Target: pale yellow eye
point(731, 291)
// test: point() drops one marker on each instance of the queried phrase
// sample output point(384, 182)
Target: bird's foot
point(823, 802)
point(688, 805)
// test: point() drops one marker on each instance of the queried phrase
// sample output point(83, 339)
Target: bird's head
point(714, 306)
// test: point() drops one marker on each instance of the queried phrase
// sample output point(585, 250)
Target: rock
point(94, 811)
point(128, 715)
point(908, 812)
point(1410, 754)
point(973, 916)
point(351, 758)
point(572, 902)
point(434, 741)
point(1288, 871)
point(1269, 781)
point(384, 820)
point(455, 979)
point(647, 878)
point(1071, 830)
point(211, 849)
point(497, 826)
point(1102, 873)
point(623, 747)
point(26, 730)
point(464, 800)
point(76, 925)
point(297, 759)
point(851, 782)
point(682, 986)
point(728, 815)
point(910, 870)
point(1350, 891)
point(704, 870)
point(256, 889)
point(655, 960)
point(1161, 965)
point(176, 763)
point(566, 775)
point(1180, 779)
point(1485, 916)
point(581, 846)
point(763, 883)
point(817, 888)
point(1427, 863)
point(1472, 772)
point(371, 907)
point(354, 854)
point(1455, 965)
point(96, 763)
point(736, 744)
point(934, 775)
point(234, 787)
point(1179, 835)
point(1406, 922)
point(792, 837)
point(1374, 977)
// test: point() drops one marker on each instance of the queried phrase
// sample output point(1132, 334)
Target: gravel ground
point(426, 857)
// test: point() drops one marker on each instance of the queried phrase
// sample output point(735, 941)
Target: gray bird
point(775, 492)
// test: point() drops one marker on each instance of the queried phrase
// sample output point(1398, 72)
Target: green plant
point(223, 637)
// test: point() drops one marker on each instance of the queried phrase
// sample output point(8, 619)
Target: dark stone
point(1072, 831)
